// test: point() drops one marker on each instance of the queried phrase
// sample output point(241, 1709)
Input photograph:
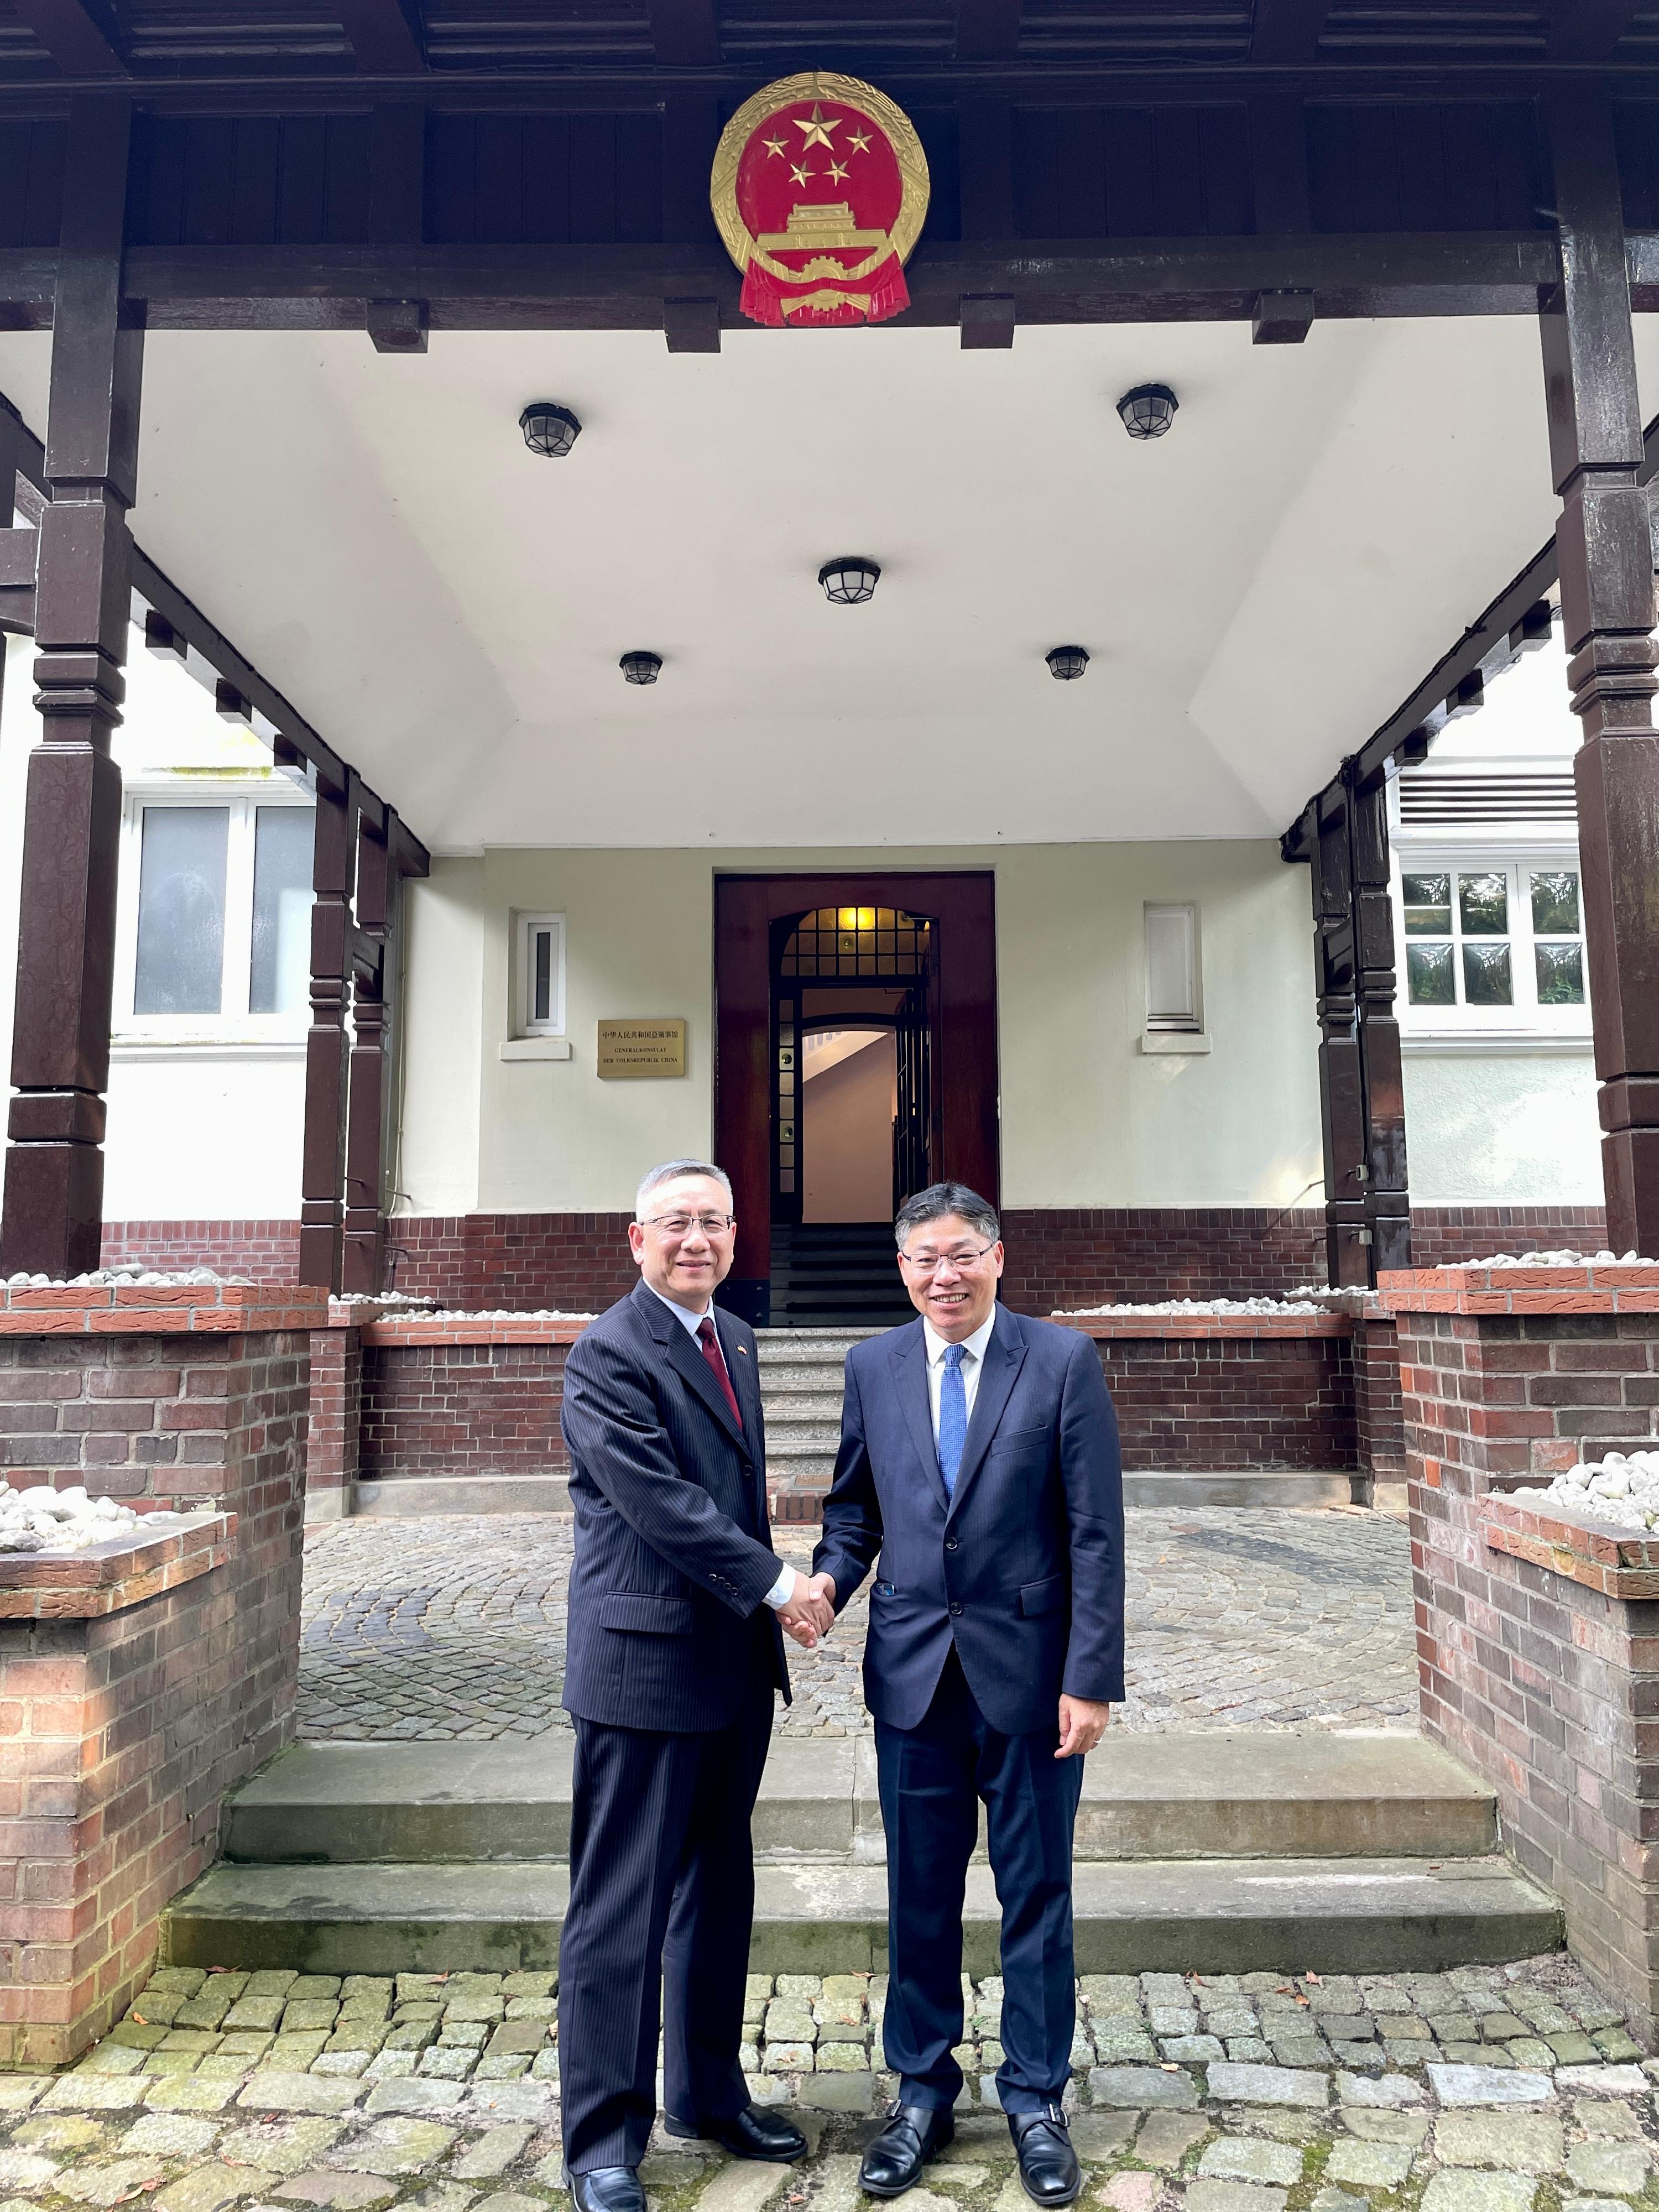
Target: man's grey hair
point(671, 1171)
point(940, 1199)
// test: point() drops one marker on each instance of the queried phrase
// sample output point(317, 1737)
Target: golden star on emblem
point(802, 176)
point(837, 174)
point(858, 142)
point(774, 146)
point(817, 129)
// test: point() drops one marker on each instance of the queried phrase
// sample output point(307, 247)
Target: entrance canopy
point(1257, 590)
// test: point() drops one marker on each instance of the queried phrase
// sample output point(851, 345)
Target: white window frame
point(1517, 858)
point(523, 1023)
point(234, 1023)
point(1165, 1032)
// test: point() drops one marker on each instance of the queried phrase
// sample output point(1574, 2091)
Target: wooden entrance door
point(956, 1132)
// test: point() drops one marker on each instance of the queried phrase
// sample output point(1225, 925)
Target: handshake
point(809, 1611)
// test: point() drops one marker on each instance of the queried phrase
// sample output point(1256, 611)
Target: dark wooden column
point(321, 1214)
point(366, 1110)
point(54, 1180)
point(1361, 1094)
point(1341, 1085)
point(1607, 614)
point(1387, 1197)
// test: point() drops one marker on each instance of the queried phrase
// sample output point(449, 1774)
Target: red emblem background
point(820, 188)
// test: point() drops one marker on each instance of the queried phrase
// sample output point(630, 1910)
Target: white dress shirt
point(973, 1358)
point(778, 1596)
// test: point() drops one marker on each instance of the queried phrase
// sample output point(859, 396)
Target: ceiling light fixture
point(641, 667)
point(1148, 410)
point(1066, 662)
point(549, 430)
point(849, 581)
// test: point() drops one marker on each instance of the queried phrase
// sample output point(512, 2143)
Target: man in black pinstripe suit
point(676, 1601)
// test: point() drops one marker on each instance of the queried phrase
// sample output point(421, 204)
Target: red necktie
point(711, 1352)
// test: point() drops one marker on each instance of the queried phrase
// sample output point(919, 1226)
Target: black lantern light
point(549, 430)
point(1148, 410)
point(641, 667)
point(849, 581)
point(1066, 662)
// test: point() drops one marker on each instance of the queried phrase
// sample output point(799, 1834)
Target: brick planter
point(142, 1679)
point(1538, 1634)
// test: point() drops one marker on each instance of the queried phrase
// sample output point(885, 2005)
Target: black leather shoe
point(605, 2189)
point(1049, 2170)
point(893, 2162)
point(752, 2133)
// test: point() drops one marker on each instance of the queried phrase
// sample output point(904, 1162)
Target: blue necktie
point(952, 1418)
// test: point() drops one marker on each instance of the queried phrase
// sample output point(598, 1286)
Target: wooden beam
point(386, 40)
point(80, 35)
point(1287, 31)
point(19, 551)
point(988, 30)
point(1587, 30)
point(684, 33)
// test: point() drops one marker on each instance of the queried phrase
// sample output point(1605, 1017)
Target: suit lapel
point(686, 1356)
point(741, 1364)
point(909, 1360)
point(1005, 1355)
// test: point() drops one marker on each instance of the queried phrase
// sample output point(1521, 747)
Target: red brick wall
point(336, 1402)
point(1379, 1432)
point(1544, 1685)
point(579, 1262)
point(120, 1736)
point(462, 1409)
point(1201, 1403)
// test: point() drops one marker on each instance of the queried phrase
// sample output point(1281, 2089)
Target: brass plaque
point(647, 1048)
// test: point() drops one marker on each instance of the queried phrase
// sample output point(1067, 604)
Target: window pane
point(1429, 975)
point(1560, 975)
point(1484, 904)
point(279, 973)
point(541, 986)
point(1487, 975)
point(1555, 903)
point(1428, 901)
point(181, 910)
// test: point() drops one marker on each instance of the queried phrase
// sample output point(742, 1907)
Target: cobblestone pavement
point(1484, 2089)
point(454, 1628)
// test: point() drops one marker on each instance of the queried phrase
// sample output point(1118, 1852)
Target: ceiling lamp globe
point(549, 430)
point(1066, 662)
point(641, 667)
point(850, 580)
point(1148, 410)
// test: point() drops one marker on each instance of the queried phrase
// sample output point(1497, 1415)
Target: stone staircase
point(1206, 1851)
point(800, 1380)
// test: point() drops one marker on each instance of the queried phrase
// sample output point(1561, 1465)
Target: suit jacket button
point(955, 1608)
point(950, 1543)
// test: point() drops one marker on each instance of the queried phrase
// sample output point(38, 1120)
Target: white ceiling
point(1259, 589)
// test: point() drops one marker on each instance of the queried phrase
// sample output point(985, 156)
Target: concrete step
point(1375, 1915)
point(1150, 1491)
point(789, 1434)
point(1194, 1793)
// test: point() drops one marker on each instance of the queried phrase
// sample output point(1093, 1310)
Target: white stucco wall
point(1515, 1131)
point(1088, 1118)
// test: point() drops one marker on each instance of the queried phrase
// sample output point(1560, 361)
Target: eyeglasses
point(929, 1263)
point(681, 1225)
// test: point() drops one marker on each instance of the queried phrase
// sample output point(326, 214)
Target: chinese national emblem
point(820, 191)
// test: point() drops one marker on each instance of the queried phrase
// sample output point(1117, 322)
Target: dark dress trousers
point(672, 1660)
point(986, 1608)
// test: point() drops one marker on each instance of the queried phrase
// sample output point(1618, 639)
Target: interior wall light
point(849, 581)
point(549, 430)
point(641, 667)
point(1066, 662)
point(1148, 410)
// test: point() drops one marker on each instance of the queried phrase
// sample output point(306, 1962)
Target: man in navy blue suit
point(979, 1458)
point(674, 1656)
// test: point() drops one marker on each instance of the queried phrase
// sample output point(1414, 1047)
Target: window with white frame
point(216, 914)
point(1492, 942)
point(1175, 1000)
point(539, 957)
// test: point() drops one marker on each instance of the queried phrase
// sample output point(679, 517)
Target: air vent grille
point(1469, 802)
